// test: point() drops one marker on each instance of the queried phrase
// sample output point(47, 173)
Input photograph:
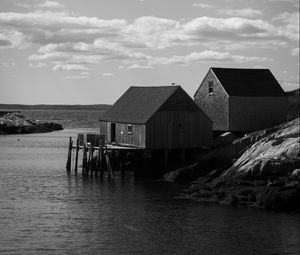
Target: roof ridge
point(238, 68)
point(163, 86)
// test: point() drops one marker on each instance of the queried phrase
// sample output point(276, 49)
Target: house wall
point(216, 105)
point(137, 138)
point(178, 129)
point(103, 129)
point(255, 113)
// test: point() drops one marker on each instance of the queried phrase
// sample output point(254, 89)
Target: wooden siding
point(216, 105)
point(255, 113)
point(178, 129)
point(137, 138)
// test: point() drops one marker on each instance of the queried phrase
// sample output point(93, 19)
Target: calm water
point(45, 211)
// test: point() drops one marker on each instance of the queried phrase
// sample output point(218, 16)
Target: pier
point(98, 156)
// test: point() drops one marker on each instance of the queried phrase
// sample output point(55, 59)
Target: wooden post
point(113, 159)
point(84, 159)
point(109, 168)
point(97, 161)
point(76, 156)
point(91, 158)
point(68, 166)
point(101, 147)
point(101, 160)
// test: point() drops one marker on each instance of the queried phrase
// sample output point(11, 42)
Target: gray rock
point(224, 139)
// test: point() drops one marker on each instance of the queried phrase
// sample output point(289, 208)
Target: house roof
point(138, 104)
point(248, 82)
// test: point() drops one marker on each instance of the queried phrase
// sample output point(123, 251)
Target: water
point(45, 211)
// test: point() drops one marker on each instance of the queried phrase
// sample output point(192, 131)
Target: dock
point(98, 156)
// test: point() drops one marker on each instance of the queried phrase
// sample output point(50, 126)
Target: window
point(210, 87)
point(129, 129)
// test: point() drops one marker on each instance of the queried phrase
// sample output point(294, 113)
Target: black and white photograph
point(149, 127)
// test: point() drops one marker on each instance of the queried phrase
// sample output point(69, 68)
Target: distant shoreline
point(20, 107)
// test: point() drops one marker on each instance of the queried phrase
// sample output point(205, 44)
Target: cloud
point(145, 32)
point(4, 42)
point(70, 67)
point(295, 52)
point(12, 38)
point(49, 4)
point(290, 25)
point(194, 58)
point(79, 76)
point(246, 12)
point(43, 27)
point(203, 6)
point(107, 74)
point(139, 66)
point(37, 65)
point(67, 42)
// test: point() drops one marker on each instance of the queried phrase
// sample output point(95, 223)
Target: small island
point(18, 123)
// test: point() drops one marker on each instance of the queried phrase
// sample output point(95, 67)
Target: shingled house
point(156, 118)
point(241, 100)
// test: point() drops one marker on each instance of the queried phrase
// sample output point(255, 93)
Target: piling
point(76, 156)
point(84, 159)
point(91, 161)
point(109, 168)
point(100, 155)
point(68, 166)
point(101, 146)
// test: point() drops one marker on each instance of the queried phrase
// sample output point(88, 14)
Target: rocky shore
point(261, 169)
point(17, 123)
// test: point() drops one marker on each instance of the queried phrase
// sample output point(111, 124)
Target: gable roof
point(248, 82)
point(138, 104)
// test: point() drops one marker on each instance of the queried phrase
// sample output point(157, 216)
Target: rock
point(265, 170)
point(275, 153)
point(224, 139)
point(185, 174)
point(296, 174)
point(17, 123)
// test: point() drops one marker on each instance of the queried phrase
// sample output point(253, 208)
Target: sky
point(92, 51)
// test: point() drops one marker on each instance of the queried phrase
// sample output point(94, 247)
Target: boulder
point(224, 139)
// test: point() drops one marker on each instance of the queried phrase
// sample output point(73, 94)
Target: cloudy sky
point(91, 51)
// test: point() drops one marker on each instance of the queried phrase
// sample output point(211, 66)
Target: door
point(113, 132)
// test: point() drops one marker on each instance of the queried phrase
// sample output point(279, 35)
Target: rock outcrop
point(17, 123)
point(260, 169)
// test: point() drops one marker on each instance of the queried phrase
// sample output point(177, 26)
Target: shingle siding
point(215, 106)
point(255, 113)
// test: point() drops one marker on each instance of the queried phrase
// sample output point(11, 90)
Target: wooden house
point(241, 100)
point(156, 118)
